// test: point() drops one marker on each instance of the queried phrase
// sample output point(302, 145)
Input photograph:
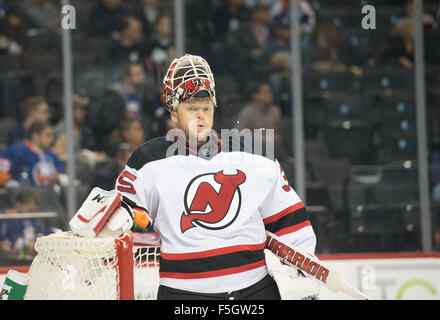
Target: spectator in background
point(402, 38)
point(32, 109)
point(324, 55)
point(228, 17)
point(402, 44)
point(216, 28)
point(125, 99)
point(281, 10)
point(125, 139)
point(42, 14)
point(261, 113)
point(31, 162)
point(276, 65)
point(249, 42)
point(12, 31)
point(129, 44)
point(17, 236)
point(329, 53)
point(54, 93)
point(130, 132)
point(107, 172)
point(104, 17)
point(83, 134)
point(129, 95)
point(161, 46)
point(428, 19)
point(148, 13)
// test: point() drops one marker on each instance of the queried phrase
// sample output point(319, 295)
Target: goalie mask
point(186, 76)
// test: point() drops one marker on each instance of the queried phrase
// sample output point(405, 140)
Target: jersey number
point(125, 182)
point(286, 187)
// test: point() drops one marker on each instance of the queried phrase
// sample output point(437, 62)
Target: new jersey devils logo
point(214, 199)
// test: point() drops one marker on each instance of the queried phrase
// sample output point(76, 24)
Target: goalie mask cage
point(71, 267)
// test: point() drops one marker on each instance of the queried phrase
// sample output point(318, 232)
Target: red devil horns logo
point(211, 209)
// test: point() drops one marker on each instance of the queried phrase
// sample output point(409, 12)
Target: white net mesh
point(146, 272)
point(69, 267)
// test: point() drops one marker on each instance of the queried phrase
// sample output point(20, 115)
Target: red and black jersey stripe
point(212, 263)
point(288, 220)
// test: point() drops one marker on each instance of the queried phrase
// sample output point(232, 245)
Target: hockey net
point(70, 267)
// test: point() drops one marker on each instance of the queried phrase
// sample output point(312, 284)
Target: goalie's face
point(195, 117)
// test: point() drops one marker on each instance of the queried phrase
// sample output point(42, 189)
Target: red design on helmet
point(185, 77)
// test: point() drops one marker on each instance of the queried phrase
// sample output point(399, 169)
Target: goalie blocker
point(109, 214)
point(311, 266)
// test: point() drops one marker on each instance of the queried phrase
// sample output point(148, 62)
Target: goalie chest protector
point(211, 208)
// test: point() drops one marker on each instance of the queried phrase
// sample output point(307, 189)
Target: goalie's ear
point(95, 211)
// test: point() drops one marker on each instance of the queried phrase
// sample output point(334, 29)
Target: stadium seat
point(404, 127)
point(388, 80)
point(10, 63)
point(14, 88)
point(330, 170)
point(386, 228)
point(43, 63)
point(346, 107)
point(394, 193)
point(356, 194)
point(350, 140)
point(315, 149)
point(6, 201)
point(406, 173)
point(348, 19)
point(317, 194)
point(397, 173)
point(393, 107)
point(322, 83)
point(97, 48)
point(397, 148)
point(330, 4)
point(378, 219)
point(48, 200)
point(94, 80)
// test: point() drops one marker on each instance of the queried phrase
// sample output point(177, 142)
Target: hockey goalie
point(210, 199)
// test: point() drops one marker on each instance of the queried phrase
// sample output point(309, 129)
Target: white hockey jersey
point(211, 212)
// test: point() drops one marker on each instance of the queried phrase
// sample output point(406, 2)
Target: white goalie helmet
point(186, 76)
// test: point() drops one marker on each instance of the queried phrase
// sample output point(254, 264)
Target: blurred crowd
point(121, 52)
